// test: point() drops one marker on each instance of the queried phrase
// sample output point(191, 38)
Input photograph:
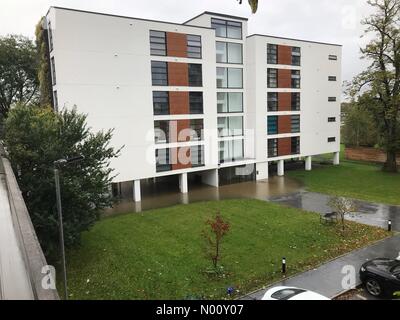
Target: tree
point(253, 4)
point(18, 72)
point(35, 138)
point(359, 127)
point(342, 206)
point(44, 75)
point(218, 228)
point(380, 83)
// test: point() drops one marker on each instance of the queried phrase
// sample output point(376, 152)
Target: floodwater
point(164, 195)
point(375, 214)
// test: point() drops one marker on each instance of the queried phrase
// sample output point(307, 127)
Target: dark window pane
point(160, 102)
point(158, 43)
point(193, 46)
point(159, 73)
point(295, 123)
point(331, 99)
point(331, 139)
point(272, 101)
point(195, 75)
point(272, 54)
point(295, 145)
point(272, 125)
point(296, 56)
point(272, 81)
point(272, 148)
point(296, 79)
point(196, 102)
point(295, 101)
point(163, 160)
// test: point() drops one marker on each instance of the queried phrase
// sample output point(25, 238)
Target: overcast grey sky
point(336, 21)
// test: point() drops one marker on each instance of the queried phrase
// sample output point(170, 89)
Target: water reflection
point(167, 194)
point(375, 214)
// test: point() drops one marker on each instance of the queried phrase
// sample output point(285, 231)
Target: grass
point(358, 180)
point(158, 254)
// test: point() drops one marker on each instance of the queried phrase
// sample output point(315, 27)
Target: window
point(230, 126)
point(295, 145)
point(197, 126)
point(272, 148)
point(272, 101)
point(195, 75)
point(332, 57)
point(295, 101)
point(158, 43)
point(331, 139)
point(196, 102)
point(197, 156)
point(53, 71)
point(295, 123)
point(227, 29)
point(159, 73)
point(231, 150)
point(50, 37)
point(331, 99)
point(162, 160)
point(272, 78)
point(160, 102)
point(193, 46)
point(230, 78)
point(332, 78)
point(228, 52)
point(55, 100)
point(296, 56)
point(229, 102)
point(272, 53)
point(332, 119)
point(272, 124)
point(161, 131)
point(296, 79)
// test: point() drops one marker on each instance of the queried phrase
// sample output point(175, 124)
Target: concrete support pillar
point(262, 171)
point(308, 163)
point(183, 184)
point(281, 168)
point(210, 177)
point(136, 191)
point(336, 158)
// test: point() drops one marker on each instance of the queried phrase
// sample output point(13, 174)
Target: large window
point(272, 54)
point(197, 126)
point(230, 78)
point(272, 148)
point(162, 160)
point(272, 124)
point(158, 43)
point(161, 131)
point(295, 123)
point(160, 102)
point(196, 102)
point(231, 150)
point(159, 73)
point(197, 156)
point(296, 56)
point(195, 75)
point(230, 126)
point(53, 71)
point(272, 80)
point(296, 79)
point(227, 29)
point(229, 102)
point(55, 100)
point(295, 101)
point(295, 145)
point(228, 52)
point(332, 139)
point(332, 119)
point(272, 101)
point(193, 46)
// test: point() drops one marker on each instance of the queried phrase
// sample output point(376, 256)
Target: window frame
point(332, 78)
point(53, 71)
point(229, 132)
point(293, 119)
point(296, 54)
point(191, 96)
point(227, 78)
point(226, 24)
point(167, 166)
point(295, 103)
point(269, 54)
point(332, 57)
point(159, 97)
point(226, 44)
point(269, 70)
point(295, 80)
point(188, 46)
point(297, 145)
point(191, 83)
point(331, 119)
point(332, 99)
point(270, 133)
point(200, 151)
point(152, 37)
point(274, 148)
point(331, 139)
point(276, 102)
point(230, 148)
point(152, 73)
point(228, 103)
point(50, 36)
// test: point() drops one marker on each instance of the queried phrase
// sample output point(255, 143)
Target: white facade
point(102, 66)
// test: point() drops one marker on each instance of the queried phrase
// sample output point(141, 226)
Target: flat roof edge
point(125, 17)
point(301, 40)
point(217, 14)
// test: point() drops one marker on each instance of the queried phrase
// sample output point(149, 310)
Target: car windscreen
point(286, 293)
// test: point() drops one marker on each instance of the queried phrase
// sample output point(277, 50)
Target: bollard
point(390, 225)
point(284, 265)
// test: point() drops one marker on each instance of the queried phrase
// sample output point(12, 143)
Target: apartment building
point(200, 98)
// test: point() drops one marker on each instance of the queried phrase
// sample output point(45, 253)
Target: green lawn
point(352, 179)
point(158, 254)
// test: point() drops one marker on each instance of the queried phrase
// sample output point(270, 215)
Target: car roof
point(309, 295)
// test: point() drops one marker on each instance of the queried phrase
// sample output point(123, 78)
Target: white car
point(291, 293)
